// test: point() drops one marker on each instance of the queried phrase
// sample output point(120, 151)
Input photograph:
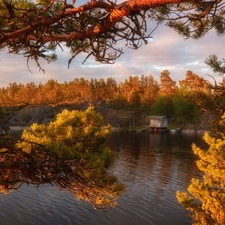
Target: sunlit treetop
point(35, 29)
point(69, 153)
point(205, 199)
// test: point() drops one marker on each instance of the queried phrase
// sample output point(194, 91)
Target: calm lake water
point(152, 166)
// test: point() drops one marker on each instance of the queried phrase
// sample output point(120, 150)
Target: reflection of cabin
point(157, 123)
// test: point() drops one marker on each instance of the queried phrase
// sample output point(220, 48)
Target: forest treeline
point(183, 100)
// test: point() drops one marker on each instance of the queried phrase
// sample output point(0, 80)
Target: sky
point(165, 51)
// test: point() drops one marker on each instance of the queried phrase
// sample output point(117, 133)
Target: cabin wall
point(155, 123)
point(158, 122)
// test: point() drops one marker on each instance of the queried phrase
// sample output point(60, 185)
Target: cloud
point(168, 50)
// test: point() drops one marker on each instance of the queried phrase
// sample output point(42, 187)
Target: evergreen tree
point(217, 65)
point(185, 110)
point(73, 134)
point(36, 28)
point(69, 152)
point(2, 115)
point(206, 198)
point(167, 86)
point(163, 106)
point(194, 84)
point(149, 92)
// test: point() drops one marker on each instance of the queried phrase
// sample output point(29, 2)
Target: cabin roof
point(156, 117)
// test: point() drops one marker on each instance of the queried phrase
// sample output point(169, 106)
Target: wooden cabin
point(157, 123)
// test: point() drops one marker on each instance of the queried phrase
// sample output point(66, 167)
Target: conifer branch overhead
point(35, 28)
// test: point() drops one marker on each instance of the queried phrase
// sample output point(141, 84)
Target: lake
point(152, 166)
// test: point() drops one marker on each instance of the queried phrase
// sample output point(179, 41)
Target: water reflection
point(152, 166)
point(41, 166)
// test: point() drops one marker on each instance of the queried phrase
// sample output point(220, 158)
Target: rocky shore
point(116, 118)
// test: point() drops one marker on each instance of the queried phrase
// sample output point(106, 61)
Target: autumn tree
point(4, 97)
point(196, 89)
point(12, 92)
point(35, 29)
point(167, 86)
point(208, 96)
point(112, 88)
point(190, 97)
point(83, 88)
point(149, 91)
point(26, 94)
point(51, 92)
point(130, 90)
point(194, 84)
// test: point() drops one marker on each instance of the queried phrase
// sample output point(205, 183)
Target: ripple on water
point(152, 170)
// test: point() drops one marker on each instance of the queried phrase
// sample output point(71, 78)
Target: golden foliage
point(69, 152)
point(207, 206)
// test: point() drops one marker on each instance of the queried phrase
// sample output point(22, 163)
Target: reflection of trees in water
point(132, 158)
point(154, 160)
